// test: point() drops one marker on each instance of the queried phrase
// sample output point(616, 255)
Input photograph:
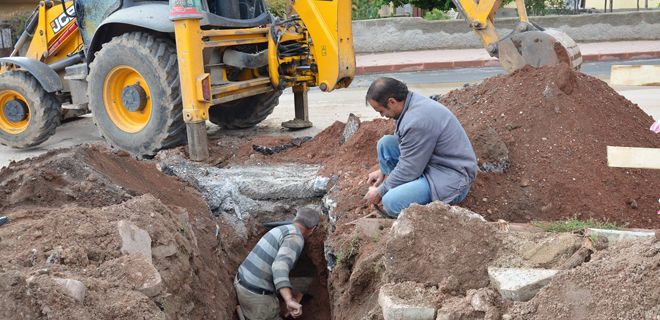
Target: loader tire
point(134, 94)
point(245, 113)
point(28, 114)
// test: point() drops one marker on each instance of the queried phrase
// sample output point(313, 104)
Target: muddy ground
point(540, 136)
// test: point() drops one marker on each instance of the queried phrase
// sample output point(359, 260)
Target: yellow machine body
point(56, 35)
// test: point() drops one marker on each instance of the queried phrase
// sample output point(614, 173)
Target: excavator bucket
point(538, 48)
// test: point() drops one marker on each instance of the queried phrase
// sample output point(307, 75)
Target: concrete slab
point(414, 306)
point(520, 284)
point(614, 236)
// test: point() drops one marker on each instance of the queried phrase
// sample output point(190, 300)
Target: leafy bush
point(277, 7)
point(16, 22)
point(367, 9)
point(427, 4)
point(435, 14)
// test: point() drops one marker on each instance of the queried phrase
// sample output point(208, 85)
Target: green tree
point(367, 9)
point(427, 4)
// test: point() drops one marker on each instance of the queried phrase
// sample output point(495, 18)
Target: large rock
point(519, 284)
point(73, 288)
point(406, 301)
point(134, 240)
point(553, 252)
point(351, 127)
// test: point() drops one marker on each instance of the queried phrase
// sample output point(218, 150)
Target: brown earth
point(556, 124)
point(547, 128)
point(66, 204)
point(618, 283)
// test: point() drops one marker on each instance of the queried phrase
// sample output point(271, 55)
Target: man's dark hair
point(384, 88)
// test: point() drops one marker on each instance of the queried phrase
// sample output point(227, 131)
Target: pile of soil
point(619, 283)
point(555, 124)
point(63, 210)
point(434, 246)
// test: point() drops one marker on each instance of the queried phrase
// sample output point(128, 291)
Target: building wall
point(419, 34)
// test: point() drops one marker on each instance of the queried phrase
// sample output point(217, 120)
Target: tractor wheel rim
point(9, 123)
point(127, 118)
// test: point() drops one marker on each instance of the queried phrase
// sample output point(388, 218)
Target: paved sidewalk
point(464, 58)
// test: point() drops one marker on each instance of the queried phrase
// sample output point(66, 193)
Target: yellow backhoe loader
point(153, 71)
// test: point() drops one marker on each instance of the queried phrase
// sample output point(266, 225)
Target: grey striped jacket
point(268, 264)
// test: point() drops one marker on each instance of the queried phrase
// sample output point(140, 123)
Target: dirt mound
point(618, 283)
point(548, 129)
point(436, 246)
point(64, 210)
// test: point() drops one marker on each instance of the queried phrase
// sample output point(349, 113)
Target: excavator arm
point(528, 44)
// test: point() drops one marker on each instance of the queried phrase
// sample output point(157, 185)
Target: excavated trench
point(252, 199)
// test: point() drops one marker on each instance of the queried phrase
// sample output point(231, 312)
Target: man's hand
point(373, 196)
point(294, 308)
point(375, 178)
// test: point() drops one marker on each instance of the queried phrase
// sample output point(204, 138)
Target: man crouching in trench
point(265, 271)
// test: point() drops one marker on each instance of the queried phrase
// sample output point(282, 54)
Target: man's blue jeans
point(401, 197)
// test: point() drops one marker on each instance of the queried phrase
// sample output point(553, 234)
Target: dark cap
point(308, 217)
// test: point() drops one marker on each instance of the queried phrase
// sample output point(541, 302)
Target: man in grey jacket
point(428, 158)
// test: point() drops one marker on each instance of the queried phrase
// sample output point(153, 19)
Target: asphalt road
point(326, 108)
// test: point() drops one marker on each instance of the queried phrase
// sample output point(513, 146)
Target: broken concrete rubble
point(519, 284)
point(241, 190)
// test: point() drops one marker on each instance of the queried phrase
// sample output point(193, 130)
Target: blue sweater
point(433, 144)
point(269, 263)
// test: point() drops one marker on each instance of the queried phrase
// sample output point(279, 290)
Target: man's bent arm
point(284, 260)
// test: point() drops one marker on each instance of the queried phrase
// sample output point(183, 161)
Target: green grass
point(573, 224)
point(343, 256)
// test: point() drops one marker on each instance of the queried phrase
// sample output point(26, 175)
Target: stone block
point(134, 240)
point(519, 284)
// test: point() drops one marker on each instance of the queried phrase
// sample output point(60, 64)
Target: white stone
point(402, 227)
point(396, 309)
point(519, 284)
point(73, 288)
point(614, 236)
point(134, 240)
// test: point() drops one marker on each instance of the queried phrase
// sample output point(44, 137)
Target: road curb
point(492, 62)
